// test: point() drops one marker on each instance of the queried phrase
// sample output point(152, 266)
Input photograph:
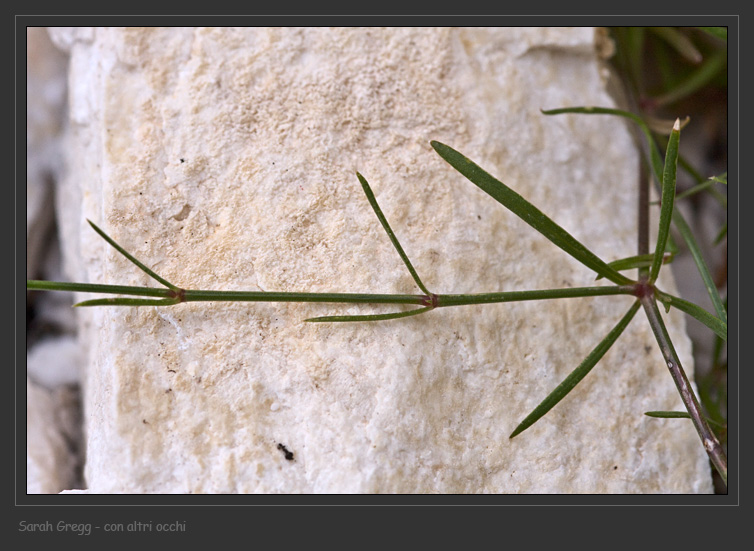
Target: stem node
point(644, 289)
point(430, 301)
point(178, 294)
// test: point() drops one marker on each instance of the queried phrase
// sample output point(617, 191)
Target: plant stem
point(431, 300)
point(709, 440)
point(515, 296)
point(36, 285)
point(264, 296)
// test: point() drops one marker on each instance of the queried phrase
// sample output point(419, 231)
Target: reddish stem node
point(430, 300)
point(180, 294)
point(644, 289)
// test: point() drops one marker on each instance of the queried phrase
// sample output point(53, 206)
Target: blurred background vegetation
point(677, 72)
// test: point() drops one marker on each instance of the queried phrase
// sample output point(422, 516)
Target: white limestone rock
point(45, 95)
point(55, 361)
point(52, 439)
point(226, 159)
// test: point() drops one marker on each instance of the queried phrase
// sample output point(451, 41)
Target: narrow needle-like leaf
point(128, 302)
point(696, 253)
point(723, 178)
point(668, 199)
point(716, 324)
point(706, 184)
point(639, 261)
point(711, 67)
point(721, 234)
point(371, 317)
point(527, 212)
point(718, 32)
point(391, 235)
point(680, 42)
point(679, 415)
point(35, 285)
point(125, 253)
point(668, 414)
point(577, 374)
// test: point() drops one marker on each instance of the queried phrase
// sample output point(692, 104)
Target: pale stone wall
point(226, 159)
point(53, 421)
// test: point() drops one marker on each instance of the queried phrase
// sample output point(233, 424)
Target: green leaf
point(668, 414)
point(127, 302)
point(639, 261)
point(630, 47)
point(667, 201)
point(721, 235)
point(527, 212)
point(723, 178)
point(717, 325)
point(391, 235)
point(696, 253)
point(125, 253)
point(717, 32)
point(577, 374)
point(680, 415)
point(707, 184)
point(679, 42)
point(371, 317)
point(696, 80)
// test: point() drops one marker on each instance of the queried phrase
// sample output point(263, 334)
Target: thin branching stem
point(265, 296)
point(431, 301)
point(648, 264)
point(516, 296)
point(711, 444)
point(678, 220)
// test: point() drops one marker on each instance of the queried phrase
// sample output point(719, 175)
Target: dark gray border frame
point(228, 514)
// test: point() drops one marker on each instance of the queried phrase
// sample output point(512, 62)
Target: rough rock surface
point(226, 159)
point(53, 421)
point(52, 439)
point(45, 93)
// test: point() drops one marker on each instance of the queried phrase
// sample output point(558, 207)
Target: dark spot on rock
point(288, 454)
